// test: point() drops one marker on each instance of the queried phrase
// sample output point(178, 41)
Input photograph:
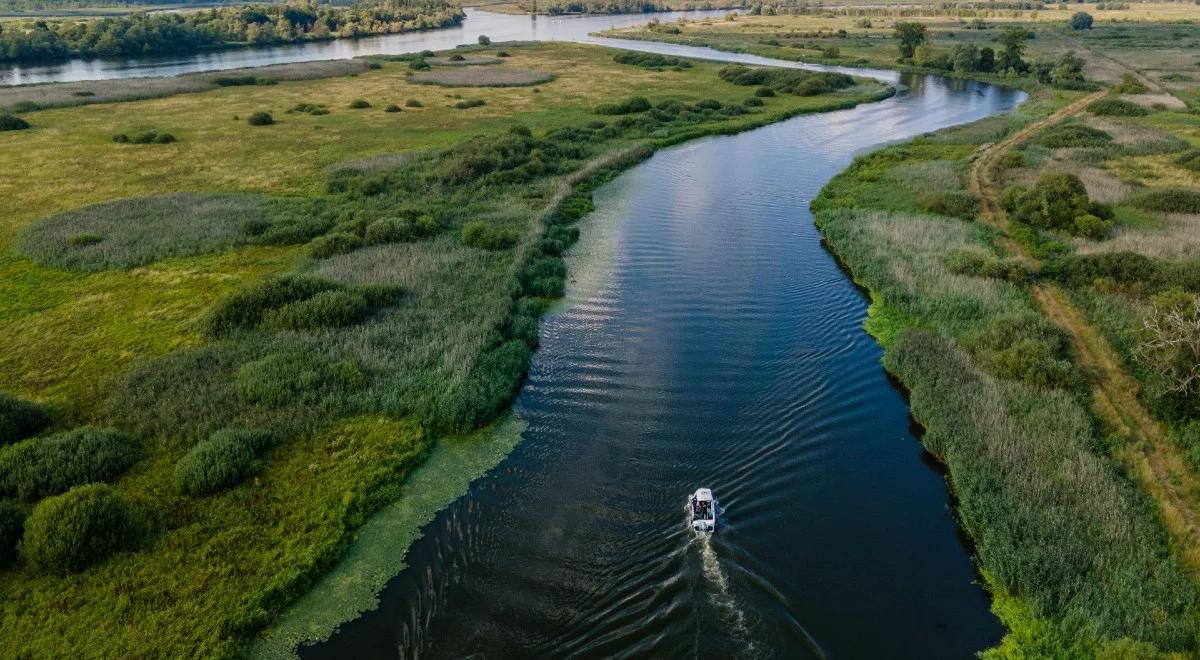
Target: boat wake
point(720, 595)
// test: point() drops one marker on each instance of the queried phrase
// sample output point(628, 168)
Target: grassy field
point(346, 280)
point(1081, 562)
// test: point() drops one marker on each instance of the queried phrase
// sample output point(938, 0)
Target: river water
point(708, 339)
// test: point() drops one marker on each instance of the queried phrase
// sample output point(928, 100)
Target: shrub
point(456, 58)
point(631, 105)
point(328, 245)
point(1055, 202)
point(1073, 135)
point(484, 40)
point(1024, 347)
point(958, 204)
point(1081, 20)
point(295, 377)
point(419, 64)
point(144, 138)
point(469, 103)
point(502, 53)
point(214, 464)
point(327, 309)
point(39, 467)
point(120, 138)
point(1129, 85)
point(12, 524)
point(1110, 107)
point(544, 277)
point(400, 230)
point(412, 103)
point(12, 123)
point(1092, 227)
point(358, 104)
point(1012, 159)
point(261, 119)
point(392, 108)
point(240, 81)
point(246, 307)
point(1168, 200)
point(983, 264)
point(753, 102)
point(485, 236)
point(164, 138)
point(82, 527)
point(764, 92)
point(651, 60)
point(20, 419)
point(1190, 160)
point(1168, 346)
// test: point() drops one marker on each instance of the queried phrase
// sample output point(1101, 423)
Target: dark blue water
point(716, 344)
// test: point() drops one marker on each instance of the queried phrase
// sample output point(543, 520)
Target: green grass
point(409, 333)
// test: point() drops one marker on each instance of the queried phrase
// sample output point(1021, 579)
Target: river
point(708, 339)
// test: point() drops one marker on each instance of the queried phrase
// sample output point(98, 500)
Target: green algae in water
point(381, 545)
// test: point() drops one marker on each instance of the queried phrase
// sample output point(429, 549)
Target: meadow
point(268, 321)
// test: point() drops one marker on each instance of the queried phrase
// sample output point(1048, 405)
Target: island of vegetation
point(227, 352)
point(1035, 282)
point(218, 27)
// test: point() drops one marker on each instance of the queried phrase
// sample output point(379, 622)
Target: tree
point(1068, 71)
point(1081, 21)
point(965, 58)
point(987, 59)
point(1055, 202)
point(1170, 341)
point(484, 40)
point(1012, 55)
point(911, 35)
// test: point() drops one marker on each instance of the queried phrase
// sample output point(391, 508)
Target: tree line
point(171, 33)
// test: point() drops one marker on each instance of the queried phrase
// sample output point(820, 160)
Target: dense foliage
point(788, 81)
point(651, 60)
point(12, 123)
point(38, 467)
point(1114, 107)
point(221, 461)
point(1058, 201)
point(81, 527)
point(171, 32)
point(12, 525)
point(20, 419)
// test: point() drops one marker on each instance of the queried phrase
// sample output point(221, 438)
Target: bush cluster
point(631, 105)
point(20, 419)
point(651, 60)
point(82, 527)
point(148, 137)
point(241, 81)
point(246, 307)
point(1167, 200)
point(469, 103)
point(38, 467)
point(955, 204)
point(1113, 107)
point(12, 123)
point(983, 264)
point(487, 236)
point(1124, 269)
point(1024, 347)
point(310, 109)
point(1058, 201)
point(359, 104)
point(329, 245)
point(261, 119)
point(1071, 135)
point(327, 309)
point(223, 460)
point(401, 229)
point(789, 81)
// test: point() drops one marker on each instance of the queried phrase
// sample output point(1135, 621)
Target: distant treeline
point(164, 33)
point(555, 7)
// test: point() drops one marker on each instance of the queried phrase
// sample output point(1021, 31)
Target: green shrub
point(419, 64)
point(486, 236)
point(20, 419)
point(401, 230)
point(1190, 160)
point(765, 92)
point(1073, 135)
point(631, 105)
point(1012, 159)
point(956, 204)
point(753, 102)
point(164, 138)
point(1168, 200)
point(120, 138)
point(788, 81)
point(456, 58)
point(328, 245)
point(295, 377)
point(1111, 107)
point(392, 108)
point(327, 309)
point(484, 40)
point(1129, 85)
point(651, 60)
point(82, 527)
point(144, 138)
point(469, 103)
point(246, 307)
point(1024, 347)
point(1081, 20)
point(984, 264)
point(12, 123)
point(12, 525)
point(1058, 201)
point(544, 277)
point(1092, 227)
point(261, 119)
point(412, 103)
point(214, 464)
point(38, 467)
point(502, 53)
point(359, 104)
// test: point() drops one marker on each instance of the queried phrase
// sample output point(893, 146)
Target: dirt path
point(1157, 463)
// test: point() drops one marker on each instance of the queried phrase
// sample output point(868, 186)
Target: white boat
point(702, 510)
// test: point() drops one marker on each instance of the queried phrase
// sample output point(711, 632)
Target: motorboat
point(702, 510)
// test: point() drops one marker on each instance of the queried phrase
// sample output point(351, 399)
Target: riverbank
point(453, 282)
